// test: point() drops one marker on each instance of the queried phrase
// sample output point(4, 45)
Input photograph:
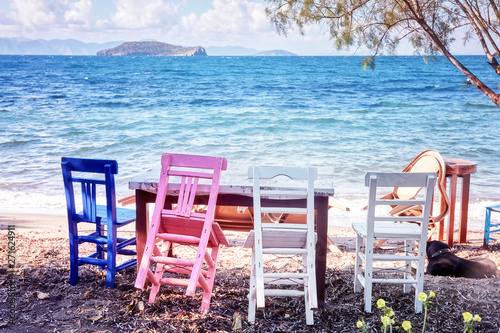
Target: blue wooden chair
point(489, 227)
point(96, 177)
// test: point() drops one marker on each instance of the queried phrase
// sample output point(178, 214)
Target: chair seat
point(495, 208)
point(390, 230)
point(279, 238)
point(194, 228)
point(123, 215)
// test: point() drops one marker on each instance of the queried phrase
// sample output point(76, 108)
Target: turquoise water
point(320, 111)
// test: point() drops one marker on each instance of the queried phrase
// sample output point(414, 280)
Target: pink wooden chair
point(183, 226)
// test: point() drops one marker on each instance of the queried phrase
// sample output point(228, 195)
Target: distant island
point(152, 49)
point(275, 53)
point(71, 47)
point(245, 51)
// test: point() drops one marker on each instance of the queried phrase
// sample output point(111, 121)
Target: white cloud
point(233, 17)
point(140, 14)
point(81, 13)
point(214, 23)
point(35, 13)
point(34, 18)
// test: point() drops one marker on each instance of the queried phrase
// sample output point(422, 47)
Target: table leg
point(453, 199)
point(321, 205)
point(464, 209)
point(442, 205)
point(141, 222)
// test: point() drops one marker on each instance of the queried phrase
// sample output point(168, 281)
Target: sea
point(326, 112)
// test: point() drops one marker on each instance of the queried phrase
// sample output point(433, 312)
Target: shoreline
point(55, 226)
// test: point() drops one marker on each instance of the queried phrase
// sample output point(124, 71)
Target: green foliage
point(388, 316)
point(368, 62)
point(377, 25)
point(469, 321)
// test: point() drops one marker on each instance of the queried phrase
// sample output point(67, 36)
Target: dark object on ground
point(445, 263)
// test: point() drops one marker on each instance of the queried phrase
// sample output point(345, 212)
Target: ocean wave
point(323, 111)
point(113, 104)
point(58, 96)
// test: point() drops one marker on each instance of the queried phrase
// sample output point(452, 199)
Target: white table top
point(148, 181)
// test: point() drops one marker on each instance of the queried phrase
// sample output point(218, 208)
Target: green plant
point(469, 320)
point(387, 319)
point(425, 299)
point(406, 326)
point(361, 324)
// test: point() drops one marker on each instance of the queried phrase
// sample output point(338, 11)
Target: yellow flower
point(406, 325)
point(422, 297)
point(359, 324)
point(467, 316)
point(380, 303)
point(386, 321)
point(476, 318)
point(431, 294)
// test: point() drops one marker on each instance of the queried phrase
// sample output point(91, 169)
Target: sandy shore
point(52, 226)
point(42, 225)
point(55, 226)
point(42, 264)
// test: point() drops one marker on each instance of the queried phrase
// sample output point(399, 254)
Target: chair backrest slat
point(187, 168)
point(184, 173)
point(281, 195)
point(187, 194)
point(90, 186)
point(423, 180)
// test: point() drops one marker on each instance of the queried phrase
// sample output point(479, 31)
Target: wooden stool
point(458, 168)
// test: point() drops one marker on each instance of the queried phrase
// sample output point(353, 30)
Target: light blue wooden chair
point(490, 228)
point(88, 178)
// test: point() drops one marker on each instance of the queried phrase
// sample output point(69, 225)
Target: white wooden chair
point(380, 225)
point(282, 239)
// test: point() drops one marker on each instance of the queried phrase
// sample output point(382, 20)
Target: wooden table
point(146, 186)
point(456, 168)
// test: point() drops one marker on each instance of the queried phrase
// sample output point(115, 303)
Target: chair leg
point(358, 264)
point(259, 280)
point(99, 247)
point(143, 270)
point(155, 287)
point(252, 302)
point(73, 258)
point(487, 223)
point(207, 294)
point(111, 257)
point(309, 289)
point(368, 275)
point(419, 287)
point(407, 270)
point(166, 249)
point(307, 304)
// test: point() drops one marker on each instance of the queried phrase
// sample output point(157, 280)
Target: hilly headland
point(152, 49)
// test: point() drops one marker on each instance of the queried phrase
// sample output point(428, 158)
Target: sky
point(181, 22)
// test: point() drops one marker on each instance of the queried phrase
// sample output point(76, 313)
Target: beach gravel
point(45, 302)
